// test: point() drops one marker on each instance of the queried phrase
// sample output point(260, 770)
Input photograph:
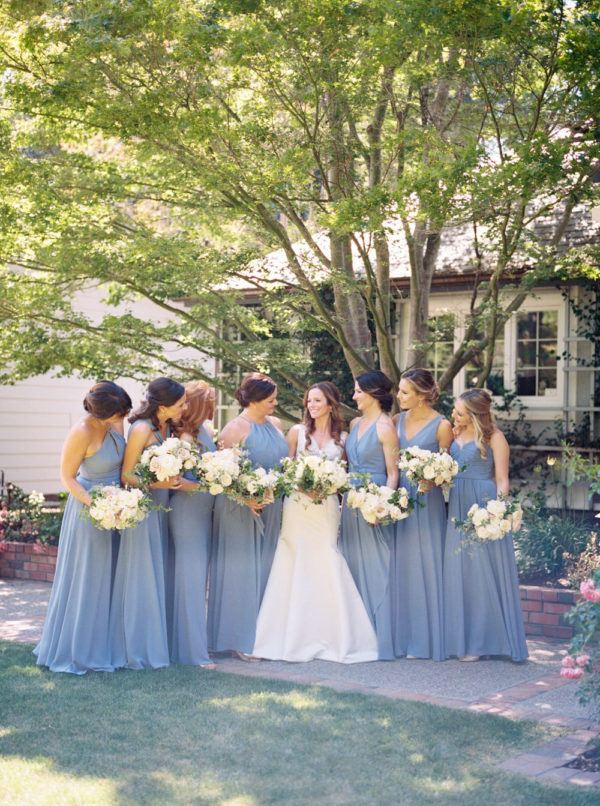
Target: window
point(495, 380)
point(441, 343)
point(537, 353)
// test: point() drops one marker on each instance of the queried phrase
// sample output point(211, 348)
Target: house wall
point(36, 414)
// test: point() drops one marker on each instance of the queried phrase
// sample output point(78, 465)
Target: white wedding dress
point(311, 608)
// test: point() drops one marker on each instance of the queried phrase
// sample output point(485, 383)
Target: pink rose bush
point(589, 590)
point(583, 661)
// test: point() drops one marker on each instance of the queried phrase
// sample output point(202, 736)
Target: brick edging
point(32, 561)
point(544, 610)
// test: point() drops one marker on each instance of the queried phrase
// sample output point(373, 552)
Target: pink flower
point(572, 674)
point(568, 662)
point(589, 591)
point(582, 660)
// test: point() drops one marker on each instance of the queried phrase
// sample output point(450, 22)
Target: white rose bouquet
point(316, 475)
point(162, 462)
point(425, 468)
point(380, 505)
point(114, 507)
point(254, 484)
point(491, 522)
point(216, 471)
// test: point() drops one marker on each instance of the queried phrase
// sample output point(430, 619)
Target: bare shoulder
point(276, 422)
point(235, 430)
point(140, 427)
point(295, 429)
point(395, 418)
point(385, 424)
point(498, 440)
point(445, 427)
point(354, 423)
point(81, 433)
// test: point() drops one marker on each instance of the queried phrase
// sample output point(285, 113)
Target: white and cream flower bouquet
point(254, 484)
point(425, 468)
point(115, 507)
point(162, 462)
point(380, 505)
point(492, 521)
point(317, 476)
point(216, 471)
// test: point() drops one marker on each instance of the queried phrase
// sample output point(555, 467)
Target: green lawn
point(188, 736)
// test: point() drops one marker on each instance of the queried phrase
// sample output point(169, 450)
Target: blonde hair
point(423, 383)
point(200, 406)
point(478, 403)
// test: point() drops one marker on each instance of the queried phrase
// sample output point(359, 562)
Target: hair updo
point(378, 385)
point(254, 388)
point(478, 403)
point(160, 392)
point(423, 382)
point(107, 399)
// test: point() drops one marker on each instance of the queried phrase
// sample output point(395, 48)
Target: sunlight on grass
point(36, 781)
point(254, 704)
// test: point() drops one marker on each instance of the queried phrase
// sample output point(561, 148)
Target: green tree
point(161, 147)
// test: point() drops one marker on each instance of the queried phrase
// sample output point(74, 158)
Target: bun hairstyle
point(254, 388)
point(378, 385)
point(423, 383)
point(478, 403)
point(333, 398)
point(106, 399)
point(160, 392)
point(200, 406)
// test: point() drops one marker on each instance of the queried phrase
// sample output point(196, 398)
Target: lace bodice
point(330, 450)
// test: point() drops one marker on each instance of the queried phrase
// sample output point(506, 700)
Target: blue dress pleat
point(417, 562)
point(366, 548)
point(139, 615)
point(75, 637)
point(242, 552)
point(482, 603)
point(190, 529)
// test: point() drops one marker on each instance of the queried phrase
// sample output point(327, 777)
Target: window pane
point(548, 324)
point(547, 382)
point(526, 354)
point(548, 354)
point(526, 382)
point(527, 325)
point(495, 383)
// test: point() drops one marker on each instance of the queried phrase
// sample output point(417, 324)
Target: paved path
point(532, 690)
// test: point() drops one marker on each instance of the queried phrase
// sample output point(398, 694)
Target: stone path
point(532, 690)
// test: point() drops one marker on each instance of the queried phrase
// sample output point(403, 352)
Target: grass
point(186, 736)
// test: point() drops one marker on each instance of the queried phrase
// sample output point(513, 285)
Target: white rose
point(497, 508)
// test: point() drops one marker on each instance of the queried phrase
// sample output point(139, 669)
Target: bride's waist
point(304, 498)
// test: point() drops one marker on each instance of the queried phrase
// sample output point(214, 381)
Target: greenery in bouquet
point(316, 476)
point(115, 507)
point(165, 461)
point(255, 485)
point(380, 505)
point(427, 469)
point(216, 471)
point(491, 522)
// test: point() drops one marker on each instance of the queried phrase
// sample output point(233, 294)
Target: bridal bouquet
point(491, 522)
point(254, 484)
point(114, 507)
point(170, 458)
point(317, 475)
point(421, 467)
point(380, 505)
point(216, 471)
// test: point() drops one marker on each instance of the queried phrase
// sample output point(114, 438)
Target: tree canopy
point(160, 147)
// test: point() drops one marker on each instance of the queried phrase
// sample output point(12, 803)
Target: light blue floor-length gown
point(190, 528)
point(417, 562)
point(242, 553)
point(481, 588)
point(138, 615)
point(75, 637)
point(366, 547)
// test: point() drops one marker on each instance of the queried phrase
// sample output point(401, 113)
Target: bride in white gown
point(311, 608)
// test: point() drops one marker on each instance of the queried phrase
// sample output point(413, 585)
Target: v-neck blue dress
point(482, 604)
point(76, 637)
point(417, 561)
point(366, 548)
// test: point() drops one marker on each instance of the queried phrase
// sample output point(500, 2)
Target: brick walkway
point(532, 690)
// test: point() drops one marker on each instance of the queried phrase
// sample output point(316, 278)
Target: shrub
point(26, 517)
point(582, 662)
point(547, 544)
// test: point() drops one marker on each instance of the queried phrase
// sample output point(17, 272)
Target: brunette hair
point(254, 387)
point(200, 400)
point(423, 382)
point(160, 392)
point(378, 385)
point(105, 399)
point(478, 403)
point(333, 398)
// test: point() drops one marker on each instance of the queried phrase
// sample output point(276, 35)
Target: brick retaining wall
point(543, 608)
point(27, 561)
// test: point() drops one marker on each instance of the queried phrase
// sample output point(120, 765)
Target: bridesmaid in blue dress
point(482, 605)
point(418, 551)
point(190, 528)
point(75, 637)
point(372, 447)
point(139, 617)
point(245, 536)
